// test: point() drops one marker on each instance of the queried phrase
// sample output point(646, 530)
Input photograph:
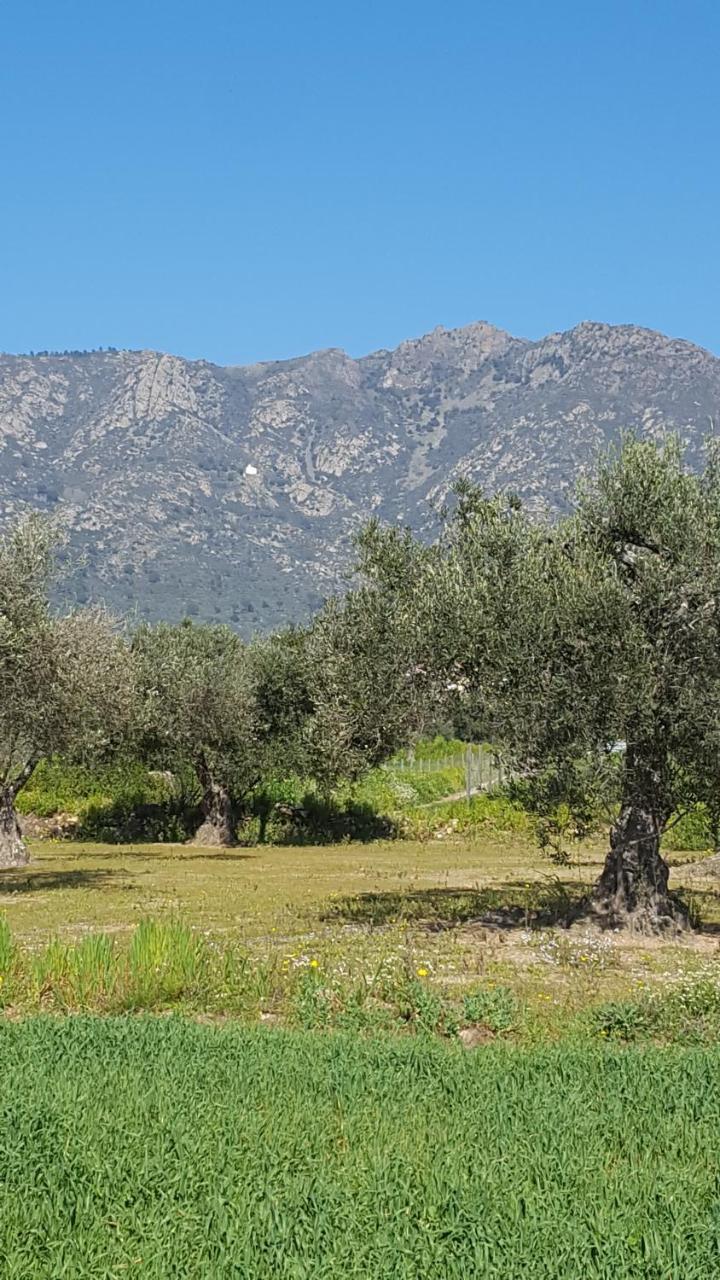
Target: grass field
point(386, 1060)
point(386, 936)
point(158, 1148)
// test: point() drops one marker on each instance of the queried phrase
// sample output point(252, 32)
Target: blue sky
point(241, 181)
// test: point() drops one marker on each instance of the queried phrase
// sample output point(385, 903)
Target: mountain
point(234, 493)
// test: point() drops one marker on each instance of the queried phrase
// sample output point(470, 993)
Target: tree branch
point(24, 775)
point(668, 826)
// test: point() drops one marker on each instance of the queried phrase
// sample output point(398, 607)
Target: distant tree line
point(567, 644)
point(86, 351)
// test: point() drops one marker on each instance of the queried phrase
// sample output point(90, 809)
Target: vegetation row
point(328, 985)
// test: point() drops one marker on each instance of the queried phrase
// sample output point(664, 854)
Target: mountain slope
point(233, 493)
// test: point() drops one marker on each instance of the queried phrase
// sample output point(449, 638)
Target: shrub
point(494, 1007)
point(693, 832)
point(119, 803)
point(619, 1019)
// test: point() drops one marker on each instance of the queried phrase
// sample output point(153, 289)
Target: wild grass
point(161, 1148)
point(393, 978)
point(234, 935)
point(165, 965)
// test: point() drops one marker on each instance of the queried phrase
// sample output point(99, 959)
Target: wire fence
point(483, 771)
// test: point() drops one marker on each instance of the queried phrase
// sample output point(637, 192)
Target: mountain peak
point(234, 493)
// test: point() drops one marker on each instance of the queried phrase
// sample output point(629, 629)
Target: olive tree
point(65, 680)
point(228, 710)
point(370, 691)
point(564, 639)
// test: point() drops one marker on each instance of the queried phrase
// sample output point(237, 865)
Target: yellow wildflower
point(422, 973)
point(314, 964)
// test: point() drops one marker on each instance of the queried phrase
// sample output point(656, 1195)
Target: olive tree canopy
point(563, 639)
point(65, 683)
point(229, 710)
point(371, 693)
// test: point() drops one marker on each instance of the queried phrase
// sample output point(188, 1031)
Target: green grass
point(234, 934)
point(159, 1148)
point(352, 1134)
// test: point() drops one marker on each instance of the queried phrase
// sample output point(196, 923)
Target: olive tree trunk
point(633, 888)
point(13, 851)
point(219, 825)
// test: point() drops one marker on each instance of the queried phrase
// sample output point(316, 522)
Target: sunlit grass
point(154, 1147)
point(326, 937)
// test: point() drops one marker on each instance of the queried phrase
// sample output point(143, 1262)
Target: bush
point(619, 1019)
point(313, 819)
point(692, 833)
point(494, 1007)
point(129, 819)
point(687, 1010)
point(58, 787)
point(115, 804)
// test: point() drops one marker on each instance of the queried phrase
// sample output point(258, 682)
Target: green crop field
point(374, 1061)
point(160, 1148)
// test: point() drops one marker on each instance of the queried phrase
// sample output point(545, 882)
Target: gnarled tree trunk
point(13, 851)
point(633, 888)
point(218, 828)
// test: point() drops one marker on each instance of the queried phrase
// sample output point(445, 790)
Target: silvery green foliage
point(565, 638)
point(370, 694)
point(65, 681)
point(229, 709)
point(562, 639)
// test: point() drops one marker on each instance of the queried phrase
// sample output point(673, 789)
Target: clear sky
point(243, 181)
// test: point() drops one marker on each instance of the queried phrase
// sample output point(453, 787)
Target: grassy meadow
point(448, 935)
point(381, 1059)
point(158, 1148)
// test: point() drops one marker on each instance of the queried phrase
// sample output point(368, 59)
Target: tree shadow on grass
point(543, 905)
point(701, 904)
point(29, 880)
point(176, 853)
point(508, 906)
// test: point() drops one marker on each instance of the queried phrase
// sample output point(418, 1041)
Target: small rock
point(473, 1037)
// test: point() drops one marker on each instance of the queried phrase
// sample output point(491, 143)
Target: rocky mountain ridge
point(233, 492)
